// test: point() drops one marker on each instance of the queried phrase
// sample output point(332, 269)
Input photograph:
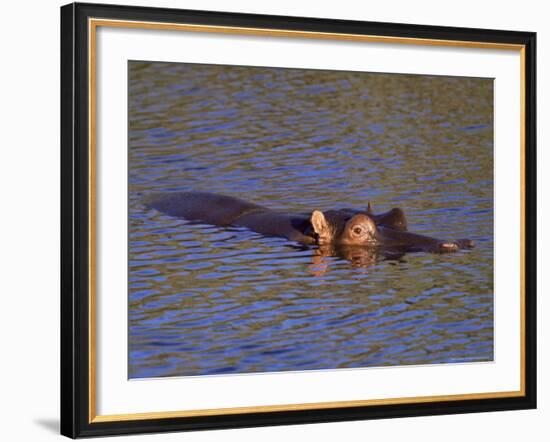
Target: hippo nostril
point(465, 243)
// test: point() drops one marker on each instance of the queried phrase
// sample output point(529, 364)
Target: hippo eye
point(357, 230)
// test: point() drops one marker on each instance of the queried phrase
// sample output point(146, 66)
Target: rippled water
point(212, 300)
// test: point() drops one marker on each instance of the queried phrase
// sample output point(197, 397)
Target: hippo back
point(211, 208)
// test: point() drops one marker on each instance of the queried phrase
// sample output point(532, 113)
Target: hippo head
point(340, 228)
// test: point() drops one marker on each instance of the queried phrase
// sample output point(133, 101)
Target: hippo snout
point(453, 246)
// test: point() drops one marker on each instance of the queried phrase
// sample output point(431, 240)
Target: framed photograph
point(274, 220)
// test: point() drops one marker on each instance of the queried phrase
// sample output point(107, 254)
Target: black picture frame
point(76, 403)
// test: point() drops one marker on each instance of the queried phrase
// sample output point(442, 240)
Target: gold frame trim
point(93, 24)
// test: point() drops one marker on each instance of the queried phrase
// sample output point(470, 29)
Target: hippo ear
point(369, 207)
point(320, 224)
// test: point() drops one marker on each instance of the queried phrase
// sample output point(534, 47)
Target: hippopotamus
point(344, 227)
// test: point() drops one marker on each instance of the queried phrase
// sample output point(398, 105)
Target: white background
point(29, 163)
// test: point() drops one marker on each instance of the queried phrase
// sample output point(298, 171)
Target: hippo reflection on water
point(344, 229)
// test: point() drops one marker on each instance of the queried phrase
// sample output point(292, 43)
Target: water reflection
point(362, 257)
point(211, 300)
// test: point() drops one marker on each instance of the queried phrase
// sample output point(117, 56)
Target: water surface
point(212, 300)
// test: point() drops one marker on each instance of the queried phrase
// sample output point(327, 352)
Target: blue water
point(212, 300)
